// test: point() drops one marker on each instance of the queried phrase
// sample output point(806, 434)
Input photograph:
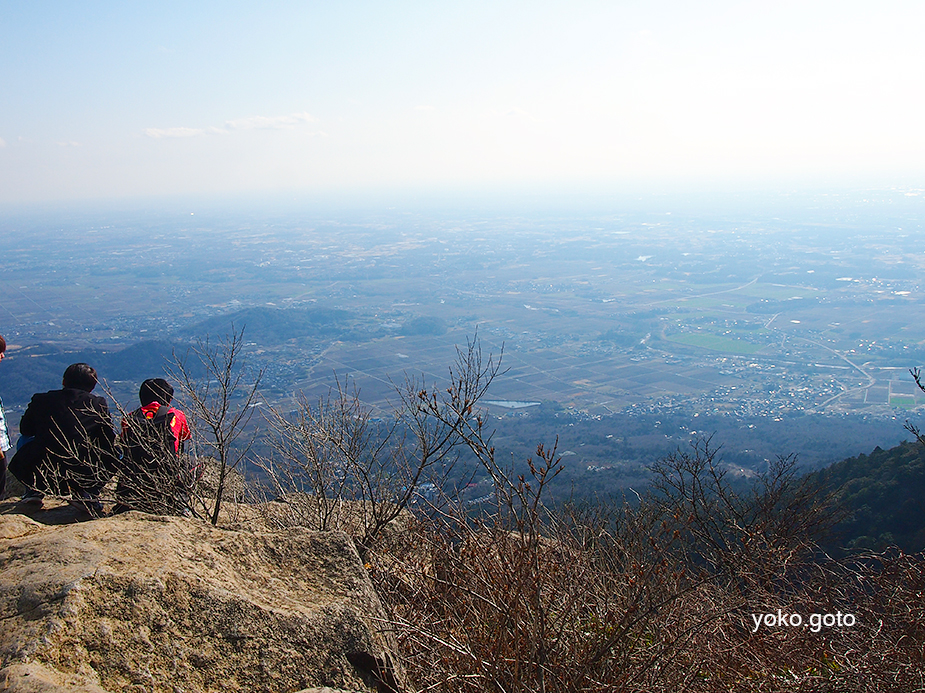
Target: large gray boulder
point(147, 603)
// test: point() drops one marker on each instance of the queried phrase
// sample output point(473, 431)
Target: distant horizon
point(512, 200)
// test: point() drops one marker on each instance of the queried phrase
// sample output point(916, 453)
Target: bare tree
point(919, 379)
point(316, 449)
point(221, 402)
point(335, 451)
point(660, 595)
point(750, 538)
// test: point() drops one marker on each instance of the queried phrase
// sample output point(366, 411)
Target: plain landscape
point(777, 324)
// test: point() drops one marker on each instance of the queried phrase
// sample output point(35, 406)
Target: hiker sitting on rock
point(155, 476)
point(72, 443)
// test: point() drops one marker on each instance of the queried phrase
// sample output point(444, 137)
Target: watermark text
point(814, 622)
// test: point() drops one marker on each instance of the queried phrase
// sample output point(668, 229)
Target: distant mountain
point(424, 325)
point(274, 325)
point(39, 368)
point(883, 492)
point(33, 369)
point(138, 361)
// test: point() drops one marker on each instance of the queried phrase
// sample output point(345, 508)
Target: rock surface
point(147, 603)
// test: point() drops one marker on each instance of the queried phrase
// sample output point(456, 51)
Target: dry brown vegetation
point(658, 596)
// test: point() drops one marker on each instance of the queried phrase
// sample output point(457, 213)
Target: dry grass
point(653, 597)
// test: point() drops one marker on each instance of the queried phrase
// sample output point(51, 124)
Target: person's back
point(72, 450)
point(155, 477)
point(64, 420)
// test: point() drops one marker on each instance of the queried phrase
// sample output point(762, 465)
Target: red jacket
point(178, 424)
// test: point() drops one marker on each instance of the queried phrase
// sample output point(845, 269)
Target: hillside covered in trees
point(881, 494)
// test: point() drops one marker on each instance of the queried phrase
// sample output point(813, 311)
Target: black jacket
point(74, 440)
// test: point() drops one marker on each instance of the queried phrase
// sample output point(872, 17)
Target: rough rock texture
point(146, 603)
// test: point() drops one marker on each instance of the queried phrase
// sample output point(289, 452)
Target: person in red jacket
point(154, 394)
point(156, 476)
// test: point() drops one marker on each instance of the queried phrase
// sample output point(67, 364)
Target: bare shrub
point(528, 597)
point(221, 406)
point(339, 468)
point(655, 596)
point(750, 540)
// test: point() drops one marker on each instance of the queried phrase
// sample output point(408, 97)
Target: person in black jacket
point(73, 449)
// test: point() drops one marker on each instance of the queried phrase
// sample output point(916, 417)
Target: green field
point(715, 343)
point(778, 293)
point(720, 302)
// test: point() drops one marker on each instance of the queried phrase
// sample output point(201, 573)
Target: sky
point(116, 100)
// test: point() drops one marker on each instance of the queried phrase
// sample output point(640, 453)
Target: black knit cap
point(155, 390)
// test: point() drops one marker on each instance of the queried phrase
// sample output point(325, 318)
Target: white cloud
point(160, 133)
point(520, 113)
point(2, 142)
point(284, 122)
point(270, 123)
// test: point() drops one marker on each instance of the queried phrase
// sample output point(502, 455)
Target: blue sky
point(104, 100)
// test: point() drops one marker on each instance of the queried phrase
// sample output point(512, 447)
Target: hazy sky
point(116, 99)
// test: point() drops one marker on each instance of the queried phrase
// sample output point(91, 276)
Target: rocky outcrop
point(147, 603)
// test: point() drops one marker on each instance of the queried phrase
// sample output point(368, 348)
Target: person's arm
point(28, 424)
point(5, 443)
point(183, 433)
point(106, 418)
point(105, 434)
